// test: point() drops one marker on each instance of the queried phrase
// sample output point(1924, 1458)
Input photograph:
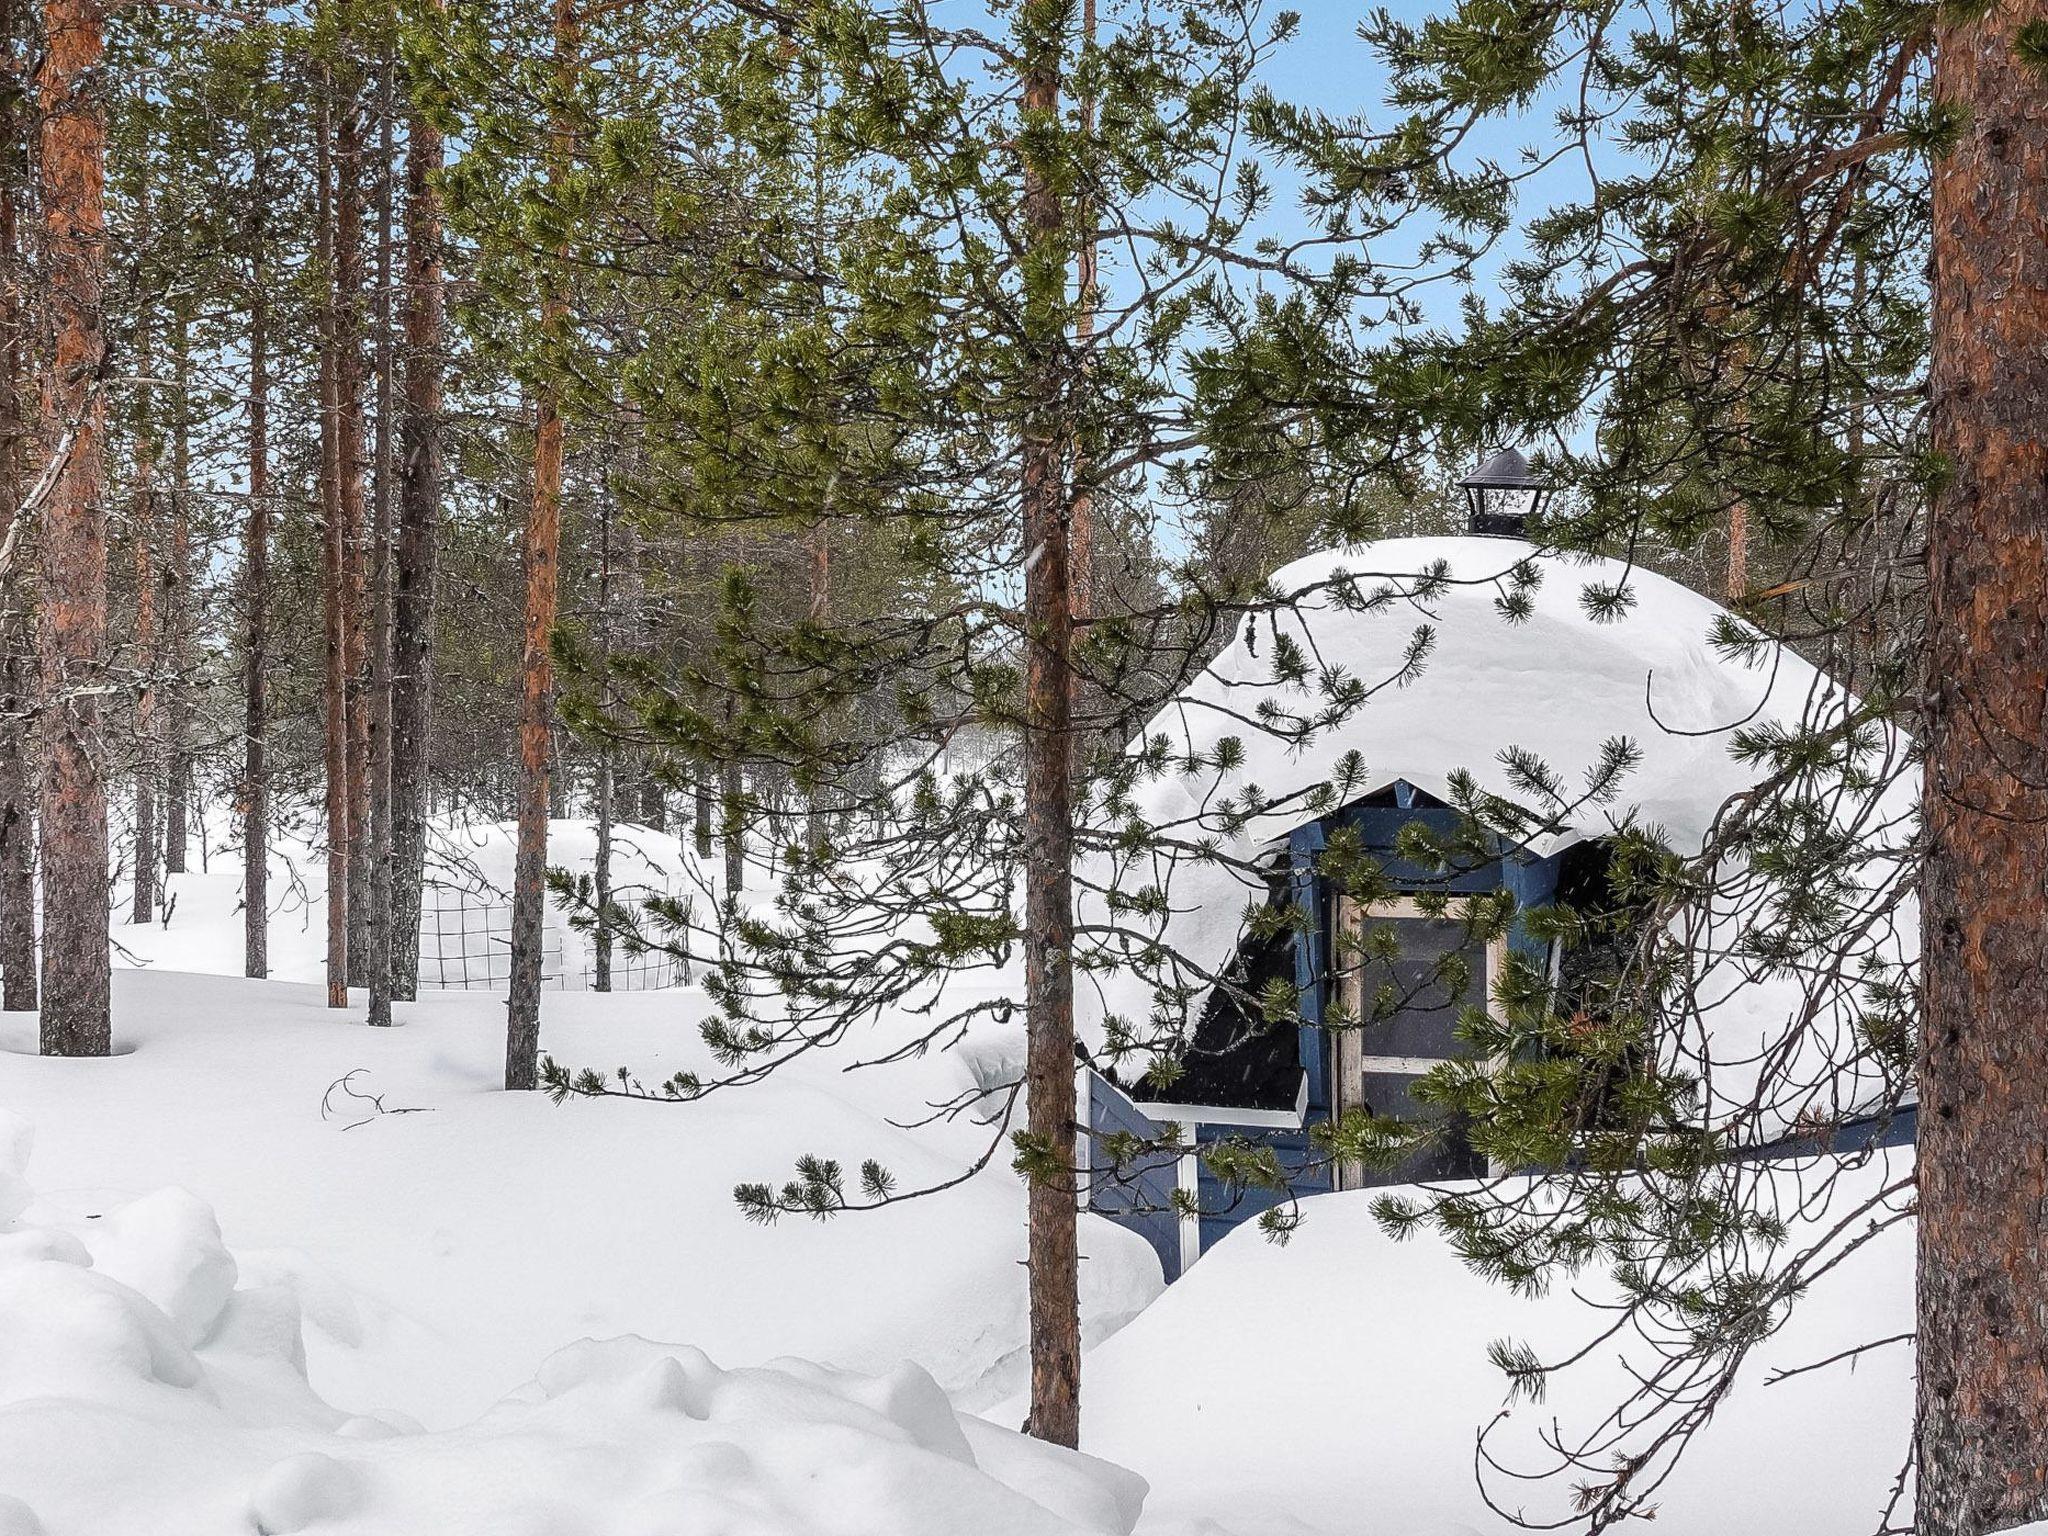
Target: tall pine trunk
point(17, 652)
point(1048, 813)
point(1983, 1158)
point(349, 282)
point(536, 670)
point(72, 634)
point(148, 751)
point(601, 872)
point(255, 605)
point(419, 506)
point(333, 580)
point(176, 618)
point(378, 931)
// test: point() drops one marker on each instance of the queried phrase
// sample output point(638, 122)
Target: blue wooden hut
point(1555, 686)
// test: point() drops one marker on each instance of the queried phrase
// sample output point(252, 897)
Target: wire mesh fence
point(466, 945)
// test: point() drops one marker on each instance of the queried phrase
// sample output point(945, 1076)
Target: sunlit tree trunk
point(71, 168)
point(536, 670)
point(1983, 1159)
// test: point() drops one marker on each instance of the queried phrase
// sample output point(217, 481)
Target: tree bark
point(255, 601)
point(419, 510)
point(71, 167)
point(1983, 1160)
point(601, 872)
point(176, 620)
point(148, 753)
point(17, 652)
point(1048, 814)
point(350, 372)
point(536, 669)
point(378, 931)
point(333, 581)
point(17, 820)
point(732, 794)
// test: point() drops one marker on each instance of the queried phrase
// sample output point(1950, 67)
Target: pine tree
point(71, 191)
point(1771, 319)
point(1982, 1343)
point(921, 399)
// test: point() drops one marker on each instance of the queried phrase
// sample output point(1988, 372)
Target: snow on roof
point(1560, 681)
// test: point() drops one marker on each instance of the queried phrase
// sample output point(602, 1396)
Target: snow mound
point(1339, 1383)
point(141, 1389)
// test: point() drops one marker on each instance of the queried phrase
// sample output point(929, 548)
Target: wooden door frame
point(1347, 911)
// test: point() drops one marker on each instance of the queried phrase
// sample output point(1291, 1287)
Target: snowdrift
point(145, 1388)
point(1340, 1383)
point(442, 1235)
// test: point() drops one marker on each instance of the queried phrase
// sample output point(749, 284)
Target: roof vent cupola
point(1501, 496)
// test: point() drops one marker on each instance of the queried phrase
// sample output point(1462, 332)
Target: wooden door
point(1376, 1066)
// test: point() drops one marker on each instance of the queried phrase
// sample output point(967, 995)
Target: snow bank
point(1339, 1384)
point(142, 1390)
point(441, 1235)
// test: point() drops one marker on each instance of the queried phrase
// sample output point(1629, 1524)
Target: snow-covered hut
point(1524, 650)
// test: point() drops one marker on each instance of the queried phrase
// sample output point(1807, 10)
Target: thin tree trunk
point(601, 874)
point(700, 814)
point(1081, 522)
point(419, 504)
point(76, 1017)
point(148, 753)
point(350, 371)
point(536, 700)
point(732, 786)
point(1048, 814)
point(1983, 1161)
point(17, 652)
point(334, 582)
point(176, 617)
point(378, 934)
point(255, 601)
point(817, 830)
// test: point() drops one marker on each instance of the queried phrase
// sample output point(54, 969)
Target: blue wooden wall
point(1142, 1203)
point(1138, 1199)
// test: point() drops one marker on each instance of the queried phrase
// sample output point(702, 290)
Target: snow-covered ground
point(151, 1383)
point(1338, 1385)
point(428, 1251)
point(359, 1309)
